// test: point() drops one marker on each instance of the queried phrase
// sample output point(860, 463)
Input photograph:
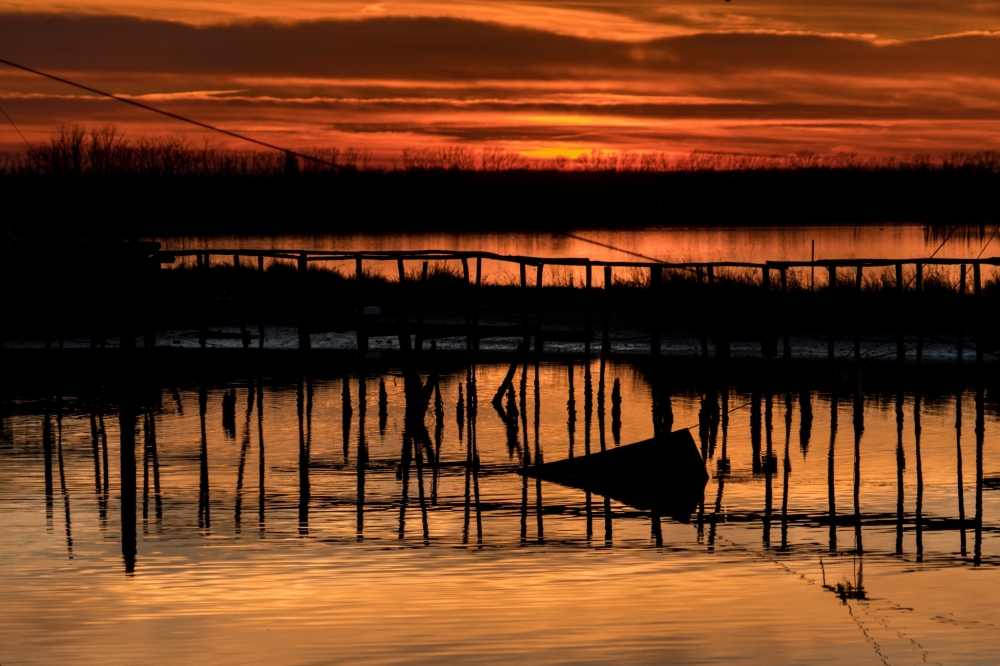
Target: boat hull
point(664, 475)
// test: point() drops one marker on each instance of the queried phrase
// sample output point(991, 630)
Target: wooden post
point(703, 307)
point(475, 312)
point(961, 313)
point(203, 266)
point(786, 347)
point(304, 339)
point(419, 335)
point(655, 282)
point(900, 309)
point(832, 271)
point(606, 327)
point(241, 304)
point(359, 281)
point(539, 342)
point(977, 291)
point(260, 310)
point(524, 305)
point(587, 326)
point(920, 315)
point(766, 336)
point(404, 324)
point(468, 304)
point(859, 274)
point(153, 275)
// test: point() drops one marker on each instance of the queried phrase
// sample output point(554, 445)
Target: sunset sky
point(875, 77)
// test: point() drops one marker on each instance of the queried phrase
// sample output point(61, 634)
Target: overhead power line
point(175, 116)
point(14, 126)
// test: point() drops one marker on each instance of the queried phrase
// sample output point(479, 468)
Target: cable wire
point(14, 126)
point(147, 107)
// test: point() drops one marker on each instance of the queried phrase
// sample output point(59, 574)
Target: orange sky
point(547, 78)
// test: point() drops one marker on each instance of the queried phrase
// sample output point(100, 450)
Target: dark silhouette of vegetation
point(101, 183)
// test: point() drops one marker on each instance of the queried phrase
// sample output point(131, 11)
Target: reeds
point(106, 150)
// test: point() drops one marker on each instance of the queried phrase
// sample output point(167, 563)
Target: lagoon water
point(308, 531)
point(668, 244)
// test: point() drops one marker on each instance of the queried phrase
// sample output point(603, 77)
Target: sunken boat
point(664, 475)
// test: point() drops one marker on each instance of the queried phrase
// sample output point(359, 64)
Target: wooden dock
point(132, 290)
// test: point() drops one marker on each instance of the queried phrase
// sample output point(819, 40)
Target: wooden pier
point(123, 291)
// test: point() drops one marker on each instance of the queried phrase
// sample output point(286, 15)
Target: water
point(669, 244)
point(268, 542)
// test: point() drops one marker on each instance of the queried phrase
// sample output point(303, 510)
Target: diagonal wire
point(14, 126)
point(168, 114)
point(988, 242)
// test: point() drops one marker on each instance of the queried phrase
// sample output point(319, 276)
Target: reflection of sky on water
point(674, 244)
point(299, 582)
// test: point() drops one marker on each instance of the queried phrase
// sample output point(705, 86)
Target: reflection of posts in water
point(616, 412)
point(460, 413)
point(768, 469)
point(383, 408)
point(859, 429)
point(304, 489)
point(723, 464)
point(418, 450)
point(404, 476)
point(204, 510)
point(805, 420)
point(710, 405)
point(525, 453)
point(571, 410)
point(538, 458)
point(94, 443)
point(663, 414)
point(900, 468)
point(655, 529)
point(347, 412)
point(755, 427)
point(958, 452)
point(714, 518)
point(831, 492)
point(155, 458)
point(588, 411)
point(602, 435)
point(475, 490)
point(510, 418)
point(126, 425)
point(107, 475)
point(472, 464)
point(977, 550)
point(786, 468)
point(362, 452)
point(438, 438)
point(145, 473)
point(241, 467)
point(919, 520)
point(62, 480)
point(47, 459)
point(468, 465)
point(416, 439)
point(260, 457)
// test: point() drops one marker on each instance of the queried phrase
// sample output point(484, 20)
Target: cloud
point(450, 49)
point(460, 80)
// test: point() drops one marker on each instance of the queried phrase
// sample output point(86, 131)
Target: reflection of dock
point(420, 467)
